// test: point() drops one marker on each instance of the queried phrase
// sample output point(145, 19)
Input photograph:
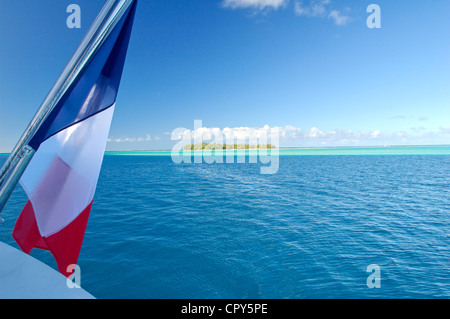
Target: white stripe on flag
point(60, 180)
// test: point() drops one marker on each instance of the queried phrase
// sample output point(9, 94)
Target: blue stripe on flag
point(97, 86)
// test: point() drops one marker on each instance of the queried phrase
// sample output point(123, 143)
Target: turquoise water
point(341, 151)
point(402, 150)
point(164, 230)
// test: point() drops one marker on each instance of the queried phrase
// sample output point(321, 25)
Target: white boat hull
point(24, 277)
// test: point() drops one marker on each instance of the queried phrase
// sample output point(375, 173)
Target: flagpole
point(22, 153)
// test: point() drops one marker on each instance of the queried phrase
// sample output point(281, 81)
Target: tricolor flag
point(61, 179)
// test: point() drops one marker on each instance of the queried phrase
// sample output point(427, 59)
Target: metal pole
point(22, 153)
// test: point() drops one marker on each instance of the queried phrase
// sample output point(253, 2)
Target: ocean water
point(164, 230)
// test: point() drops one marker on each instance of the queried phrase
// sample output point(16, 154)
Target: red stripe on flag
point(26, 232)
point(64, 245)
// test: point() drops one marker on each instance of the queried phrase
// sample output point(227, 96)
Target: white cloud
point(376, 133)
point(338, 18)
point(256, 4)
point(300, 10)
point(316, 8)
point(279, 134)
point(236, 133)
point(309, 8)
point(320, 8)
point(146, 138)
point(339, 136)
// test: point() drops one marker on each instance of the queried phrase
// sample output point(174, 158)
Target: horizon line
point(295, 147)
point(286, 148)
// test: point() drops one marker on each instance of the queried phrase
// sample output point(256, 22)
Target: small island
point(214, 146)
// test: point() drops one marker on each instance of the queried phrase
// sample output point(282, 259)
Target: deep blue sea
point(164, 230)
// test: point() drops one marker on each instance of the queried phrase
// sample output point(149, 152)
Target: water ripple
point(161, 230)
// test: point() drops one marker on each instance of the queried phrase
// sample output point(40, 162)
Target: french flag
point(61, 179)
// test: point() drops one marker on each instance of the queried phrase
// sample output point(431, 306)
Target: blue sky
point(311, 68)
